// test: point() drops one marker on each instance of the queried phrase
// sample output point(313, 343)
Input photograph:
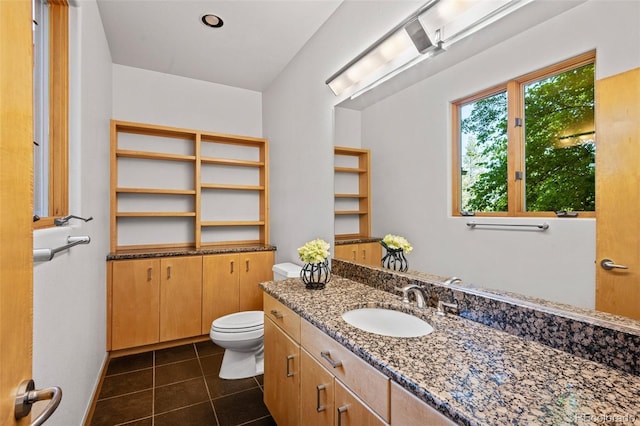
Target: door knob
point(609, 265)
point(27, 395)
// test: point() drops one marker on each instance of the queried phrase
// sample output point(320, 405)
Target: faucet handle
point(442, 306)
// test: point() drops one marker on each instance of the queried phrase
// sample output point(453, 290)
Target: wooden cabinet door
point(408, 410)
point(316, 392)
point(255, 267)
point(347, 252)
point(220, 292)
point(351, 411)
point(281, 375)
point(180, 297)
point(370, 253)
point(135, 302)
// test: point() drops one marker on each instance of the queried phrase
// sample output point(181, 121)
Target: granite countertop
point(472, 373)
point(173, 252)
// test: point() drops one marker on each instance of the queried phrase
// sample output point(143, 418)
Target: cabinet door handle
point(168, 272)
point(319, 408)
point(231, 265)
point(341, 410)
point(277, 314)
point(327, 355)
point(149, 273)
point(354, 255)
point(289, 373)
point(364, 254)
point(247, 265)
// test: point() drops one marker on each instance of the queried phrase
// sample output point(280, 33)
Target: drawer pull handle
point(354, 254)
point(168, 272)
point(364, 254)
point(319, 408)
point(289, 373)
point(277, 314)
point(327, 355)
point(231, 265)
point(149, 273)
point(341, 410)
point(247, 265)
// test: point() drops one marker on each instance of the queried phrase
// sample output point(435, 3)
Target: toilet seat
point(239, 322)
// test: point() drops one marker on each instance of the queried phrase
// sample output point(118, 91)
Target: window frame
point(515, 138)
point(58, 68)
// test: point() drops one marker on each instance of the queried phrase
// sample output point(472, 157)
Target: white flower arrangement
point(316, 251)
point(396, 242)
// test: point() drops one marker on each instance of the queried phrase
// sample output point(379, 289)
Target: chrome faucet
point(442, 306)
point(417, 292)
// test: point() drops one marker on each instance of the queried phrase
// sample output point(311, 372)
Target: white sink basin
point(387, 322)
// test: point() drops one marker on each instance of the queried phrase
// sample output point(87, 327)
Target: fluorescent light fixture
point(435, 26)
point(403, 43)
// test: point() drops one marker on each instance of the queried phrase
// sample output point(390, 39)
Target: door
point(351, 411)
point(220, 282)
point(618, 192)
point(281, 375)
point(16, 206)
point(346, 252)
point(371, 253)
point(135, 303)
point(180, 297)
point(256, 267)
point(316, 392)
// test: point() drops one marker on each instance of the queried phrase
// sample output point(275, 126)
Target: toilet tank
point(282, 271)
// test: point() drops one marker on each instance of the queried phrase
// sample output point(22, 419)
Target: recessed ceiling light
point(212, 21)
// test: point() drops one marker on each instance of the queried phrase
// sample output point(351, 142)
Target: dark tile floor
point(178, 386)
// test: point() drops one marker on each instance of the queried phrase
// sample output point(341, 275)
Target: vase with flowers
point(396, 247)
point(316, 272)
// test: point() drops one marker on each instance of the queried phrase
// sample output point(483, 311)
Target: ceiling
point(257, 41)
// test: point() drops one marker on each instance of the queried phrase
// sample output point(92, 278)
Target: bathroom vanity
point(158, 296)
point(464, 372)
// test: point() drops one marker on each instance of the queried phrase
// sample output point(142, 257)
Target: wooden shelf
point(155, 191)
point(349, 170)
point(154, 143)
point(231, 186)
point(155, 214)
point(351, 212)
point(145, 155)
point(233, 223)
point(231, 162)
point(350, 196)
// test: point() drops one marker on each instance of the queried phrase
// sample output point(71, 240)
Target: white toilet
point(242, 335)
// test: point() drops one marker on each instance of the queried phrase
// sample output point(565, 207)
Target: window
point(51, 81)
point(527, 147)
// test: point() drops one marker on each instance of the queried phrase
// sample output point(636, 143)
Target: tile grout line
point(206, 386)
point(153, 392)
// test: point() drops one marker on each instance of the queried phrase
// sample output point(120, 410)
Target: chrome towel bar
point(540, 227)
point(46, 254)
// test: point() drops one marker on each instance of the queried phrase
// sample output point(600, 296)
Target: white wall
point(69, 291)
point(155, 98)
point(347, 127)
point(409, 134)
point(298, 121)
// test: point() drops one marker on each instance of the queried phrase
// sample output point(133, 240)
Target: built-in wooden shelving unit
point(352, 195)
point(173, 187)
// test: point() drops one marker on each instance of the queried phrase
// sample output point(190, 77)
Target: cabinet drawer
point(284, 317)
point(368, 383)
